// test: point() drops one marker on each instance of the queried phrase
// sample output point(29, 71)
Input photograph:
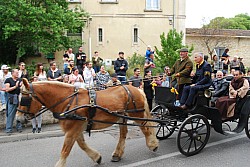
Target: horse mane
point(54, 83)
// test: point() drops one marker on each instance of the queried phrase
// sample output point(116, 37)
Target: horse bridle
point(32, 94)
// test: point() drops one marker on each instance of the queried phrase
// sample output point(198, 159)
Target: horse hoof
point(115, 159)
point(99, 160)
point(155, 149)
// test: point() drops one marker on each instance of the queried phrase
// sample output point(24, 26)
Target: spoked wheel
point(247, 128)
point(166, 128)
point(193, 135)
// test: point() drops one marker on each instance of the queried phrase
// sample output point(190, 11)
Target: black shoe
point(39, 130)
point(33, 130)
point(19, 130)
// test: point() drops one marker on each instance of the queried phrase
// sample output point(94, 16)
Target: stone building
point(238, 42)
point(125, 25)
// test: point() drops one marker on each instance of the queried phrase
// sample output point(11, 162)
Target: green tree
point(171, 44)
point(29, 27)
point(240, 21)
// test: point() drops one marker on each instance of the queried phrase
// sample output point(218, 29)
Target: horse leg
point(67, 146)
point(93, 154)
point(117, 154)
point(150, 136)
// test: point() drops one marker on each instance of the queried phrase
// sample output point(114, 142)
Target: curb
point(45, 134)
point(29, 136)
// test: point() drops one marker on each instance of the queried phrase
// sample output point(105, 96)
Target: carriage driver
point(201, 81)
point(181, 71)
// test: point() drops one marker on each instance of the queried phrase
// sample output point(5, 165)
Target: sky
point(198, 10)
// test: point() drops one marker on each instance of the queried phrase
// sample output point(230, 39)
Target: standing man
point(181, 71)
point(136, 79)
point(71, 54)
point(12, 85)
point(89, 74)
point(120, 67)
point(202, 80)
point(54, 74)
point(225, 59)
point(97, 62)
point(80, 58)
point(4, 74)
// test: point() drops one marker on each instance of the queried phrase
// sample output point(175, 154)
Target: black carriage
point(194, 125)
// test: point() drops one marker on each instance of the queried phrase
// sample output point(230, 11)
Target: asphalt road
point(221, 151)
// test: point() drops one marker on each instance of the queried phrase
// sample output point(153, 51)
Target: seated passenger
point(220, 86)
point(202, 80)
point(238, 88)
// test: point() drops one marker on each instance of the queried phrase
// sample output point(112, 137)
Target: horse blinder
point(26, 101)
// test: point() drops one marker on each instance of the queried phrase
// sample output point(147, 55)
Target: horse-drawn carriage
point(193, 125)
point(80, 110)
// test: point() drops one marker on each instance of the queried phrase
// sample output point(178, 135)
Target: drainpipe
point(173, 14)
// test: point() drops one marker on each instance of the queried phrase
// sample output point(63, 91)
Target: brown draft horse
point(114, 99)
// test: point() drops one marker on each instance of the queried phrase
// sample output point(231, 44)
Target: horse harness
point(71, 115)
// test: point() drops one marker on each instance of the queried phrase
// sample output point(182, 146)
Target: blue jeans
point(3, 97)
point(96, 68)
point(10, 115)
point(123, 79)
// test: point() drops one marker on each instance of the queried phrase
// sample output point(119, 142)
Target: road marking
point(144, 162)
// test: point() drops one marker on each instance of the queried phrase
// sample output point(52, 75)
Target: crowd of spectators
point(92, 74)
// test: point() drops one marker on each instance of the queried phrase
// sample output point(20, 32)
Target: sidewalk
point(50, 130)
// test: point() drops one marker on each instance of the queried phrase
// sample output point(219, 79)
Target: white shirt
point(88, 77)
point(71, 56)
point(3, 77)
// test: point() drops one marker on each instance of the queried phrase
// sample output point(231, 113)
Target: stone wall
point(47, 119)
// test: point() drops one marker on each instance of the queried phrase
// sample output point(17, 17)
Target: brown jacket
point(184, 68)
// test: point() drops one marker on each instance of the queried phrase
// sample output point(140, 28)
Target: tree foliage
point(240, 21)
point(170, 44)
point(32, 26)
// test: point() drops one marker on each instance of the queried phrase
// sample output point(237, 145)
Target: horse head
point(28, 106)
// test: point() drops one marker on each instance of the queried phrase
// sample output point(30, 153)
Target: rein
point(66, 114)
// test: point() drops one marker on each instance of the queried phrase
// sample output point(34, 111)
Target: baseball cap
point(4, 67)
point(183, 50)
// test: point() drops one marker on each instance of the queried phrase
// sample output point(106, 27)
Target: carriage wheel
point(247, 128)
point(165, 129)
point(193, 135)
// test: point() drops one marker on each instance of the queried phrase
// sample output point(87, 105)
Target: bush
point(136, 61)
point(171, 44)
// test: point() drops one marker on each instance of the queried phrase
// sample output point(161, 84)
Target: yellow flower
point(173, 90)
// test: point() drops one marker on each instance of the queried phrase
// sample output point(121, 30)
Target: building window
point(108, 1)
point(152, 4)
point(135, 35)
point(100, 35)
